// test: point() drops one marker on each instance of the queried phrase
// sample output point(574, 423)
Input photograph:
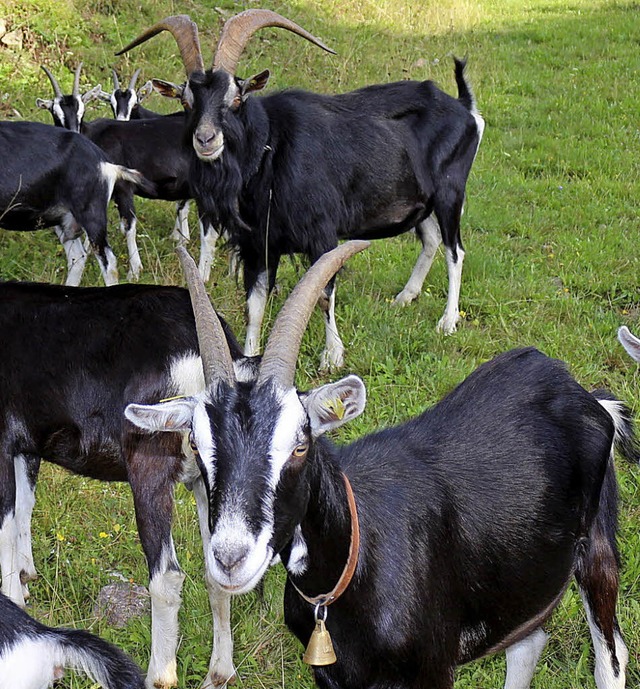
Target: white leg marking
point(221, 668)
point(522, 658)
point(110, 273)
point(180, 231)
point(333, 355)
point(135, 263)
point(447, 324)
point(25, 500)
point(165, 588)
point(604, 673)
point(76, 256)
point(9, 560)
point(430, 236)
point(256, 304)
point(208, 239)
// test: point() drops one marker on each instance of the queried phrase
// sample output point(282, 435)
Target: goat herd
point(409, 551)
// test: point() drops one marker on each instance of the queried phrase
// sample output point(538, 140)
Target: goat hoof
point(447, 326)
point(218, 680)
point(404, 298)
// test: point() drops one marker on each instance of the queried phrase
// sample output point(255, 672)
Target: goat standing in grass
point(294, 172)
point(55, 178)
point(152, 145)
point(421, 546)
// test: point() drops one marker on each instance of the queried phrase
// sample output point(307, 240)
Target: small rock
point(13, 39)
point(121, 602)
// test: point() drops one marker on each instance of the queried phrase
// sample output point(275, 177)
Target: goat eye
point(237, 102)
point(193, 446)
point(300, 451)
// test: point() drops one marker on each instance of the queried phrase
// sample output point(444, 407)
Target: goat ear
point(255, 83)
point(166, 88)
point(92, 94)
point(144, 91)
point(332, 405)
point(104, 97)
point(173, 415)
point(44, 104)
point(630, 342)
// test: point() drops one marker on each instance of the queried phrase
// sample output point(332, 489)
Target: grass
point(550, 229)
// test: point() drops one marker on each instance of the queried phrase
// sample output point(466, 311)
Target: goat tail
point(125, 174)
point(465, 94)
point(103, 662)
point(625, 439)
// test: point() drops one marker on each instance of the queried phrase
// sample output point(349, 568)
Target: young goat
point(293, 172)
point(34, 656)
point(125, 103)
point(55, 178)
point(155, 147)
point(473, 517)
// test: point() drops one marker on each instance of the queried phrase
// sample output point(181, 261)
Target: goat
point(68, 110)
point(152, 145)
point(33, 655)
point(128, 343)
point(125, 103)
point(473, 517)
point(53, 177)
point(293, 172)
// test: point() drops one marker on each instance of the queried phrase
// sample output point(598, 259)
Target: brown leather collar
point(352, 560)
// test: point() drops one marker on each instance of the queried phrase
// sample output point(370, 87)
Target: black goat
point(294, 172)
point(154, 146)
point(52, 177)
point(73, 359)
point(33, 656)
point(473, 517)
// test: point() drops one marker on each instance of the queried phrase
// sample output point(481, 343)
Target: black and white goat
point(54, 178)
point(68, 110)
point(63, 393)
point(130, 343)
point(473, 517)
point(125, 103)
point(34, 656)
point(154, 146)
point(293, 172)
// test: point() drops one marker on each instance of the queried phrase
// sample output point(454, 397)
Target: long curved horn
point(237, 31)
point(214, 348)
point(56, 87)
point(76, 81)
point(116, 81)
point(134, 78)
point(185, 33)
point(281, 352)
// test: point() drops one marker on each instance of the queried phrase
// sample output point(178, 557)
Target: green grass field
point(551, 234)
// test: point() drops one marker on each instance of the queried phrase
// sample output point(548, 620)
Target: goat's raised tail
point(465, 94)
point(119, 173)
point(625, 439)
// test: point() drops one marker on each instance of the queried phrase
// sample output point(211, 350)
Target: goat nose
point(205, 137)
point(230, 558)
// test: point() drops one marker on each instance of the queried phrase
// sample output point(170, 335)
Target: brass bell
point(319, 649)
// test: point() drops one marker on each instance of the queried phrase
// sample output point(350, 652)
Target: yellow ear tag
point(336, 407)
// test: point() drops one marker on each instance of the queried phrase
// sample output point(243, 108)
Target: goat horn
point(237, 31)
point(134, 78)
point(116, 81)
point(76, 81)
point(214, 348)
point(56, 87)
point(281, 352)
point(185, 33)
